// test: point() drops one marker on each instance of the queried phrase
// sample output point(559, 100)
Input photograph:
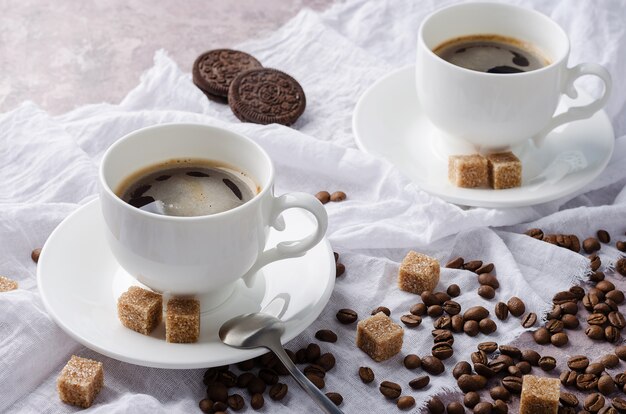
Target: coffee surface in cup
point(187, 187)
point(491, 54)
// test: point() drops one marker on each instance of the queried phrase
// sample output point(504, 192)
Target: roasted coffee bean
point(278, 391)
point(568, 378)
point(500, 407)
point(445, 336)
point(442, 350)
point(436, 332)
point(516, 306)
point(326, 335)
point(559, 339)
point(382, 309)
point(620, 266)
point(620, 379)
point(486, 292)
point(616, 296)
point(443, 297)
point(347, 316)
point(443, 322)
point(594, 402)
point(486, 268)
point(605, 286)
point(585, 382)
point(412, 361)
point(594, 332)
point(435, 406)
point(501, 311)
point(220, 407)
point(326, 361)
point(501, 362)
point(246, 365)
point(621, 246)
point(547, 363)
point(338, 196)
point(471, 382)
point(461, 367)
point(609, 361)
point(419, 382)
point(309, 370)
point(577, 291)
point(301, 357)
point(455, 407)
point(487, 326)
point(206, 406)
point(620, 351)
point(611, 334)
point(570, 321)
point(366, 374)
point(512, 384)
point(578, 363)
point(596, 262)
point(456, 323)
point(473, 265)
point(594, 368)
point(555, 312)
point(488, 347)
point(256, 385)
point(411, 321)
point(510, 350)
point(34, 255)
point(405, 402)
point(619, 404)
point(432, 365)
point(541, 336)
point(550, 238)
point(596, 276)
point(554, 326)
point(590, 300)
point(591, 244)
point(479, 357)
point(434, 310)
point(568, 399)
point(390, 389)
point(429, 298)
point(217, 391)
point(267, 360)
point(244, 379)
point(500, 393)
point(323, 196)
point(210, 375)
point(340, 269)
point(335, 397)
point(483, 408)
point(418, 309)
point(471, 399)
point(569, 308)
point(471, 328)
point(475, 313)
point(235, 402)
point(606, 385)
point(228, 378)
point(617, 320)
point(529, 320)
point(531, 356)
point(487, 279)
point(257, 401)
point(312, 353)
point(484, 370)
point(455, 263)
point(603, 236)
point(451, 307)
point(270, 377)
point(524, 367)
point(600, 294)
point(317, 381)
point(515, 371)
point(453, 290)
point(535, 233)
point(602, 308)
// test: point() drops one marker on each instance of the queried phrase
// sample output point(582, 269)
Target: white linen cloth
point(49, 166)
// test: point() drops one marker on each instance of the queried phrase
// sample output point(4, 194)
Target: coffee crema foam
point(188, 188)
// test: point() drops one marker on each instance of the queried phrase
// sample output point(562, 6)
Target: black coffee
point(491, 54)
point(187, 188)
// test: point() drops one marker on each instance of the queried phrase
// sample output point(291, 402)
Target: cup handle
point(292, 248)
point(578, 112)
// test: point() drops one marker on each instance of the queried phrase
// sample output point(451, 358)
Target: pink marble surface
point(66, 53)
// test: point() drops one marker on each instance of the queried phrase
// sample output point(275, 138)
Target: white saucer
point(387, 121)
point(80, 281)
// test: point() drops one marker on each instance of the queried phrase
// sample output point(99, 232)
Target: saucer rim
point(291, 330)
point(464, 200)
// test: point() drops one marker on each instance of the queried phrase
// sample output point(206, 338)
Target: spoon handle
point(322, 400)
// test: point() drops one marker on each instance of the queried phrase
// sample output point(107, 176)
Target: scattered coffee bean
point(596, 276)
point(412, 361)
point(547, 363)
point(620, 266)
point(313, 353)
point(435, 406)
point(563, 297)
point(586, 382)
point(541, 336)
point(442, 297)
point(501, 311)
point(405, 402)
point(606, 385)
point(301, 356)
point(257, 401)
point(366, 374)
point(620, 351)
point(621, 246)
point(269, 376)
point(512, 384)
point(335, 397)
point(244, 379)
point(323, 196)
point(451, 307)
point(484, 370)
point(591, 245)
point(455, 407)
point(531, 356)
point(340, 269)
point(419, 382)
point(554, 326)
point(429, 298)
point(475, 313)
point(471, 328)
point(616, 295)
point(483, 408)
point(206, 406)
point(569, 308)
point(500, 393)
point(453, 290)
point(313, 369)
point(578, 363)
point(456, 323)
point(390, 389)
point(382, 309)
point(500, 407)
point(278, 391)
point(487, 279)
point(326, 335)
point(488, 347)
point(442, 351)
point(317, 381)
point(471, 382)
point(418, 309)
point(487, 326)
point(604, 236)
point(570, 321)
point(338, 196)
point(235, 402)
point(220, 407)
point(611, 334)
point(568, 399)
point(595, 332)
point(471, 399)
point(486, 268)
point(510, 350)
point(594, 368)
point(434, 310)
point(596, 262)
point(609, 361)
point(347, 316)
point(516, 306)
point(256, 386)
point(461, 367)
point(217, 391)
point(35, 255)
point(456, 263)
point(559, 339)
point(535, 233)
point(432, 365)
point(472, 265)
point(578, 292)
point(486, 292)
point(594, 402)
point(529, 320)
point(326, 361)
point(617, 320)
point(411, 321)
point(524, 367)
point(619, 404)
point(568, 378)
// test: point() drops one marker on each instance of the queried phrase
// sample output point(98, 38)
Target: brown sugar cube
point(7, 284)
point(182, 322)
point(80, 381)
point(505, 170)
point(140, 310)
point(418, 273)
point(468, 171)
point(540, 395)
point(379, 337)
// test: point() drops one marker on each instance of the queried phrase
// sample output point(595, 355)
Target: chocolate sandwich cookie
point(266, 96)
point(213, 71)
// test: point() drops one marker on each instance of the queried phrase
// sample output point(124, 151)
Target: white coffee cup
point(496, 111)
point(202, 255)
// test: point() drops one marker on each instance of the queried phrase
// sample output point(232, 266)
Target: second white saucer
point(388, 121)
